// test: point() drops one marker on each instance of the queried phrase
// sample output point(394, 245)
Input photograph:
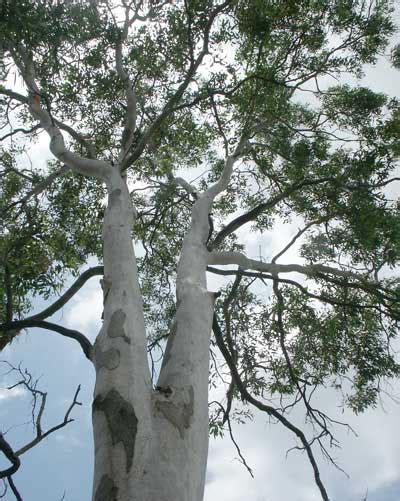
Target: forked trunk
point(150, 444)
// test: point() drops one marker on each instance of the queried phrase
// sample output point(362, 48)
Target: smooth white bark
point(226, 258)
point(122, 398)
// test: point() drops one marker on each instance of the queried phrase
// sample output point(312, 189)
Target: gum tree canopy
point(178, 126)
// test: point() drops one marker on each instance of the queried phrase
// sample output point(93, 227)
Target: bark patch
point(116, 326)
point(178, 412)
point(107, 490)
point(114, 197)
point(108, 359)
point(122, 422)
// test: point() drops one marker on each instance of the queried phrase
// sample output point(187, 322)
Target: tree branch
point(310, 270)
point(7, 450)
point(252, 214)
point(39, 188)
point(83, 165)
point(68, 294)
point(11, 329)
point(131, 102)
point(43, 435)
point(67, 128)
point(175, 98)
point(267, 408)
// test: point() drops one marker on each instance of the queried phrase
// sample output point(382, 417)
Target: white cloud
point(6, 394)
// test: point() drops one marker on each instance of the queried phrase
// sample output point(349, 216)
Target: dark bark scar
point(178, 413)
point(106, 490)
point(122, 422)
point(108, 359)
point(116, 326)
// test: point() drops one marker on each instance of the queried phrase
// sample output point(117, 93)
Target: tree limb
point(267, 408)
point(11, 329)
point(175, 98)
point(7, 450)
point(310, 270)
point(68, 294)
point(252, 214)
point(131, 102)
point(67, 128)
point(83, 165)
point(37, 189)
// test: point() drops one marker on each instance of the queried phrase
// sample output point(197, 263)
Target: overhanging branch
point(11, 329)
point(267, 408)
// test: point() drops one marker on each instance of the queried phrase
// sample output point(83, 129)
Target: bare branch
point(14, 489)
point(31, 385)
point(227, 420)
point(20, 129)
point(11, 329)
point(45, 434)
point(297, 236)
point(310, 270)
point(7, 450)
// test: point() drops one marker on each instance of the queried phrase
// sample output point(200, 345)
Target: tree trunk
point(150, 445)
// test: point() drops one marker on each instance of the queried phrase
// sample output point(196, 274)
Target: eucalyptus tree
point(177, 125)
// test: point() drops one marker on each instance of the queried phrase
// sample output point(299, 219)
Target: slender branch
point(267, 408)
point(319, 417)
point(42, 435)
point(252, 214)
point(12, 329)
point(68, 294)
point(320, 297)
point(14, 489)
point(31, 386)
point(39, 188)
point(176, 97)
point(38, 319)
point(227, 420)
point(20, 129)
point(7, 450)
point(296, 237)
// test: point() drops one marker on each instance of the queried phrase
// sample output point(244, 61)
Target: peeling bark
point(107, 490)
point(177, 408)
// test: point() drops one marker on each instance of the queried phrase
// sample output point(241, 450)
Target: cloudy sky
point(61, 466)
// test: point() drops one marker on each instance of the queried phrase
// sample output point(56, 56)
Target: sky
point(60, 468)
